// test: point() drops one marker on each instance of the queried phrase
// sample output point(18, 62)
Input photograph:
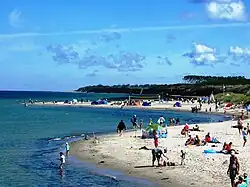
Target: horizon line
point(128, 29)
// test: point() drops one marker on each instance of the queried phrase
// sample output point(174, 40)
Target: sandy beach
point(200, 169)
point(155, 106)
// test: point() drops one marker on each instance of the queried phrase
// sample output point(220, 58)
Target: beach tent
point(146, 104)
point(177, 104)
point(74, 101)
point(229, 105)
point(161, 131)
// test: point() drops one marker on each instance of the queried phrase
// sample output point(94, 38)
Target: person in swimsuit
point(233, 168)
point(121, 127)
point(240, 125)
point(157, 155)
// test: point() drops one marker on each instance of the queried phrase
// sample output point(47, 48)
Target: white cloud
point(238, 55)
point(122, 30)
point(15, 18)
point(202, 55)
point(227, 9)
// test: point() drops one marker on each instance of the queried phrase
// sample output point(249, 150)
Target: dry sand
point(199, 170)
point(155, 106)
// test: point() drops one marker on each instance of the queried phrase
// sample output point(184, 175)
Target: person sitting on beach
point(62, 160)
point(245, 178)
point(197, 141)
point(157, 155)
point(227, 148)
point(233, 168)
point(208, 138)
point(240, 182)
point(121, 127)
point(196, 128)
point(190, 141)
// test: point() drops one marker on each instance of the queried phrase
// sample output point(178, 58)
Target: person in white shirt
point(62, 160)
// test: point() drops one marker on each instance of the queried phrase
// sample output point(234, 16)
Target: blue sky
point(64, 44)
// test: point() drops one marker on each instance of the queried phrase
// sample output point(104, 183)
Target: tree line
point(216, 80)
point(193, 85)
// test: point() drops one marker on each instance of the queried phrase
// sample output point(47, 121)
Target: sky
point(61, 45)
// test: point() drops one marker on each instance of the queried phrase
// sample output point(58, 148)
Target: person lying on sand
point(157, 154)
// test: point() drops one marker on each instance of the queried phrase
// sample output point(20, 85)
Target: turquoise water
point(31, 138)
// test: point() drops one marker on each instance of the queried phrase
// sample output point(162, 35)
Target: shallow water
point(31, 138)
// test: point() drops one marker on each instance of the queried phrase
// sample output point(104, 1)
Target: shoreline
point(156, 106)
point(123, 154)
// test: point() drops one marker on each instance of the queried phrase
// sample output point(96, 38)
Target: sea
point(32, 137)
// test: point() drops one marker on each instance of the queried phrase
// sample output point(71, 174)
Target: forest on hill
point(193, 85)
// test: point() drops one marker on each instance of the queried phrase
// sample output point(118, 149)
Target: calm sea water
point(31, 138)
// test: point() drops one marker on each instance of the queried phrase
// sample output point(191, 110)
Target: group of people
point(62, 157)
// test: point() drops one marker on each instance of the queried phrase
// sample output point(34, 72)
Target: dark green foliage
point(195, 86)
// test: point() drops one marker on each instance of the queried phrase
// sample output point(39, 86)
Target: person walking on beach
point(183, 156)
point(233, 168)
point(67, 147)
point(248, 129)
point(240, 125)
point(244, 134)
point(62, 160)
point(121, 127)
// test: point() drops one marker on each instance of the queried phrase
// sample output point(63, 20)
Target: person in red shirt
point(156, 141)
point(208, 138)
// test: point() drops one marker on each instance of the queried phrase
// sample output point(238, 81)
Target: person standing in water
point(121, 127)
point(62, 160)
point(67, 146)
point(134, 121)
